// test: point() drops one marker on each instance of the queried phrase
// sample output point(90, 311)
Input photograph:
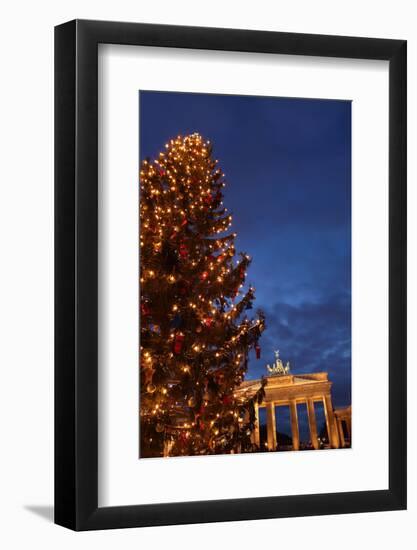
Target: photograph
point(209, 267)
point(245, 274)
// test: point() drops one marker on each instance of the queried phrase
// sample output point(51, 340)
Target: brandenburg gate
point(284, 388)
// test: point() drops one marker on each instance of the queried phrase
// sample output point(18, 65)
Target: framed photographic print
point(230, 275)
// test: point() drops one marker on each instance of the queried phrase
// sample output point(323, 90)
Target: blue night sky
point(288, 172)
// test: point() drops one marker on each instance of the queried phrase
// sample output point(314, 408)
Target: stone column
point(341, 434)
point(312, 423)
point(330, 422)
point(294, 426)
point(271, 429)
point(255, 436)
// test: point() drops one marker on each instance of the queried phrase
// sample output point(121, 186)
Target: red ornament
point(204, 275)
point(258, 351)
point(226, 400)
point(178, 342)
point(144, 309)
point(199, 413)
point(183, 250)
point(184, 222)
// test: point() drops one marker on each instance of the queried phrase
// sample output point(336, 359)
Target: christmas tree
point(195, 335)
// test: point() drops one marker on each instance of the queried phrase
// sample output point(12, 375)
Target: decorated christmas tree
point(195, 334)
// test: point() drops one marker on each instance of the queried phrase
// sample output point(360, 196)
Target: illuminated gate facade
point(291, 390)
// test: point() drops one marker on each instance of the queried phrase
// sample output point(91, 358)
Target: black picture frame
point(76, 272)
